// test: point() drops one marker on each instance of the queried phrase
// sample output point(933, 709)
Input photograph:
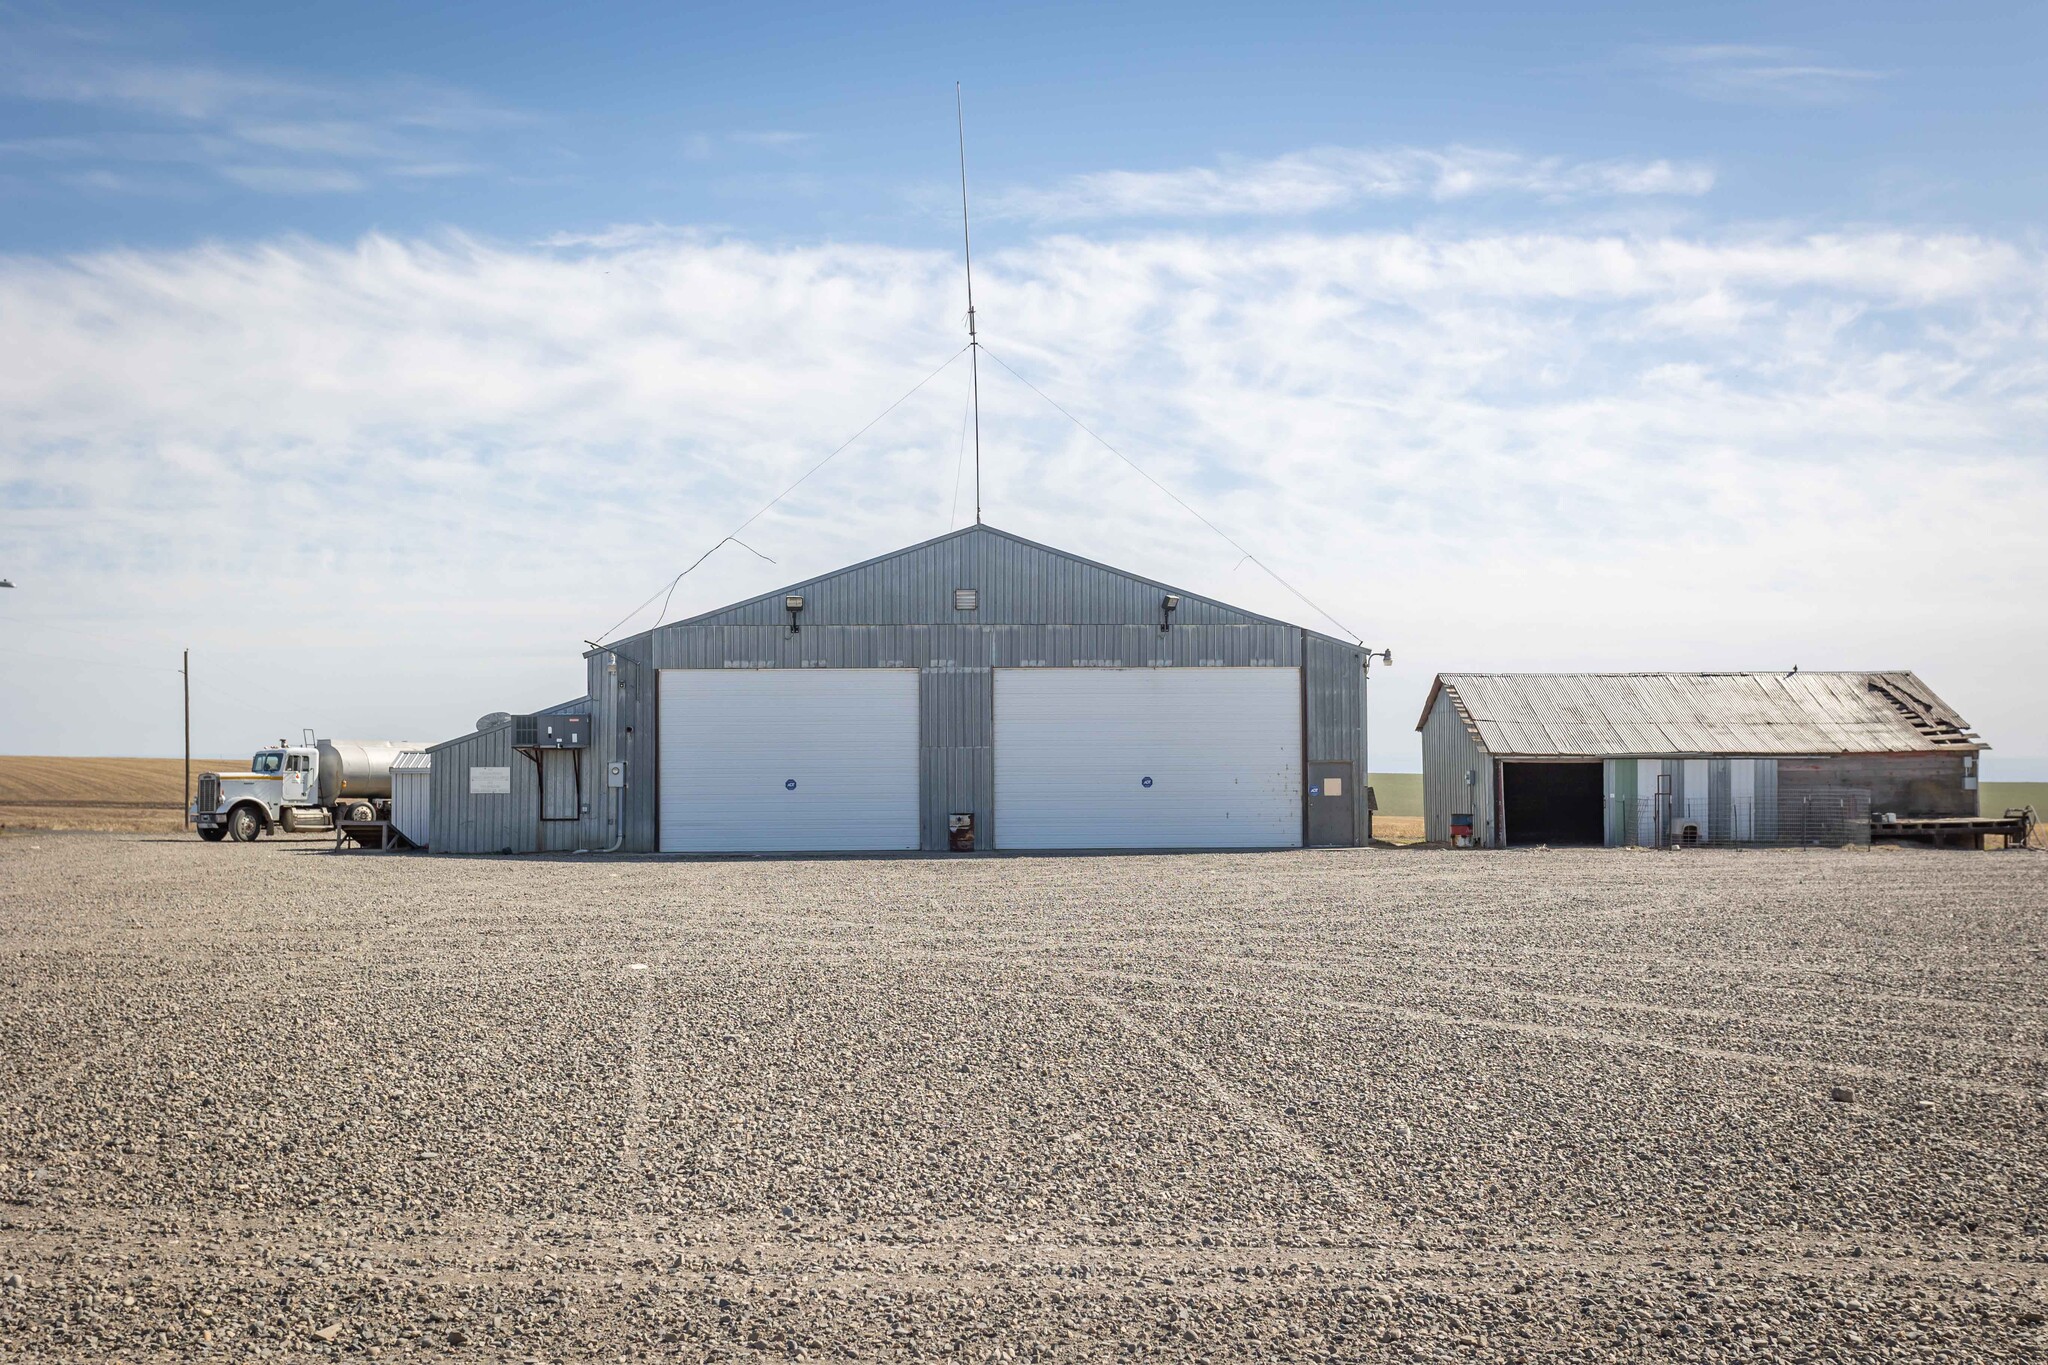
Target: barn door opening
point(1552, 803)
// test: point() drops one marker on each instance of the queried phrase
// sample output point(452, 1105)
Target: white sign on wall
point(490, 781)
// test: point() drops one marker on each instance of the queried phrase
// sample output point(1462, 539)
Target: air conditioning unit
point(550, 732)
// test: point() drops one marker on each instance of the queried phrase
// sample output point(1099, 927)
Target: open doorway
point(1552, 803)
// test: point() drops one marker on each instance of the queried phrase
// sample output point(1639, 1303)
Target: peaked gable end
point(976, 575)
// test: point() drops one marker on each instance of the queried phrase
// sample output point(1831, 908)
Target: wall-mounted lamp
point(1385, 656)
point(1167, 606)
point(793, 604)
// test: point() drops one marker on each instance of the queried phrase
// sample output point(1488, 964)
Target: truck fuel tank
point(359, 768)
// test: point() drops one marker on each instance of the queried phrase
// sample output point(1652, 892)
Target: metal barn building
point(1662, 758)
point(976, 689)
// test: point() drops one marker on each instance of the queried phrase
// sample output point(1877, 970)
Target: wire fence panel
point(1822, 817)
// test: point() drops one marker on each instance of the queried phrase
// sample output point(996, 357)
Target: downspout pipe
point(619, 814)
point(618, 811)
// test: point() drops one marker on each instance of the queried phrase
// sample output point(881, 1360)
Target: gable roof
point(1597, 715)
point(979, 538)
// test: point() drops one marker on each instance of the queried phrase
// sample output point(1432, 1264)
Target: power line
point(1248, 555)
point(729, 540)
point(670, 587)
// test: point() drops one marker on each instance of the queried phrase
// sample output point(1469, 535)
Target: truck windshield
point(267, 762)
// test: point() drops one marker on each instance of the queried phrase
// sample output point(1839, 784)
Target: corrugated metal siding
point(956, 753)
point(468, 823)
point(488, 823)
point(1448, 753)
point(1333, 679)
point(412, 796)
point(1036, 607)
point(1557, 715)
point(1018, 581)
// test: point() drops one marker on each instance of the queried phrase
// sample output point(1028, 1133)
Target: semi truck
point(299, 788)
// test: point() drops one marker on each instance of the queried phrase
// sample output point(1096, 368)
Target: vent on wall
point(966, 599)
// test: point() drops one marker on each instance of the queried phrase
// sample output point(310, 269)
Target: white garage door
point(1148, 758)
point(788, 760)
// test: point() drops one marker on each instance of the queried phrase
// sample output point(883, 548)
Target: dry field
point(1397, 829)
point(138, 794)
point(269, 1100)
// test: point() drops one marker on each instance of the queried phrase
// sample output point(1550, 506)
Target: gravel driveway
point(270, 1101)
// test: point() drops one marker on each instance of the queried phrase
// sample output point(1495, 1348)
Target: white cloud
point(295, 179)
point(1332, 177)
point(165, 126)
point(424, 471)
point(1744, 74)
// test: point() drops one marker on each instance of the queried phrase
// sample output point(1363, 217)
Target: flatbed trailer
point(1956, 831)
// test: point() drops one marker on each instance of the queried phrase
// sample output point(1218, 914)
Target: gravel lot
point(270, 1101)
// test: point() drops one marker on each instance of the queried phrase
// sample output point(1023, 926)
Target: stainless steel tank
point(359, 768)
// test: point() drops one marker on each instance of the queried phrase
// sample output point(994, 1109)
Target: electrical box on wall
point(615, 773)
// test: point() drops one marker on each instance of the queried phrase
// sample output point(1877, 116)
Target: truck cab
point(245, 805)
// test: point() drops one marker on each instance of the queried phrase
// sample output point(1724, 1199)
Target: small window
point(966, 599)
point(296, 763)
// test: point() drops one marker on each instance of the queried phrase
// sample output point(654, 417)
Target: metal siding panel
point(1336, 719)
point(1448, 753)
point(1720, 799)
point(1767, 799)
point(1742, 799)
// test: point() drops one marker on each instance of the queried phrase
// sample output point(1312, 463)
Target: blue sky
point(1603, 337)
point(134, 126)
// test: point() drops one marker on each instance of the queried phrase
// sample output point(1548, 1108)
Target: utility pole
point(185, 672)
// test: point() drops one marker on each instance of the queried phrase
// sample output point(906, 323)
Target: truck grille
point(209, 792)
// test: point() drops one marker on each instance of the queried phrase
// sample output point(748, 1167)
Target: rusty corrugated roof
point(1562, 715)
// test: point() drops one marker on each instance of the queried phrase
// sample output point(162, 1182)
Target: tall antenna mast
point(973, 341)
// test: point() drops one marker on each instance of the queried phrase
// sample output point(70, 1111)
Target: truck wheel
point(244, 824)
point(213, 834)
point(362, 810)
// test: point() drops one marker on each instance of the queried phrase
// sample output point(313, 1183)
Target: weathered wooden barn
point(977, 688)
point(1662, 758)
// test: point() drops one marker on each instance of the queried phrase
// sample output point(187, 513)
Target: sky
point(382, 355)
